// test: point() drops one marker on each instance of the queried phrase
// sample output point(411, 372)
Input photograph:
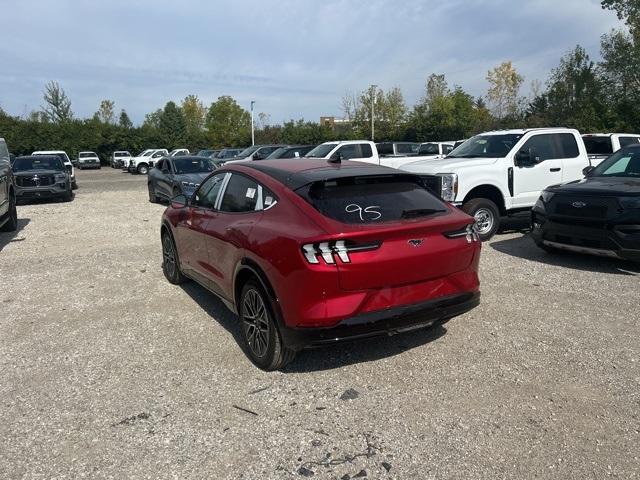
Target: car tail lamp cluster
point(469, 232)
point(340, 249)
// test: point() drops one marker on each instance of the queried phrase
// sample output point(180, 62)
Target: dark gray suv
point(8, 211)
point(41, 176)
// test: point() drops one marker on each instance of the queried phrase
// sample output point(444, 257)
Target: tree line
point(580, 93)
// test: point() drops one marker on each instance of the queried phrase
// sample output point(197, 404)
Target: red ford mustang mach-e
point(310, 252)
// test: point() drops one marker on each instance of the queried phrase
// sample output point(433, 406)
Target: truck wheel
point(261, 337)
point(486, 214)
point(170, 262)
point(67, 196)
point(12, 222)
point(143, 169)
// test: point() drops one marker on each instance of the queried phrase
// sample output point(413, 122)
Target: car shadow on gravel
point(366, 350)
point(327, 357)
point(7, 237)
point(214, 308)
point(524, 247)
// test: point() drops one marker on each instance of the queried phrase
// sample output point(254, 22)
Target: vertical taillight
point(469, 232)
point(341, 249)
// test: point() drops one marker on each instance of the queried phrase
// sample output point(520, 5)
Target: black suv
point(41, 176)
point(598, 215)
point(8, 211)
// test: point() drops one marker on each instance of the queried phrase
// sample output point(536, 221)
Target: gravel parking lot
point(108, 371)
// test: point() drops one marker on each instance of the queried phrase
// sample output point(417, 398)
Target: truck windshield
point(22, 164)
point(87, 155)
point(321, 151)
point(487, 146)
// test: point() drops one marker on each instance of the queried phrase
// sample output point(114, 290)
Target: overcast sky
point(296, 58)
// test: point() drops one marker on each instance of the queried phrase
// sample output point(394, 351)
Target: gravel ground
point(108, 371)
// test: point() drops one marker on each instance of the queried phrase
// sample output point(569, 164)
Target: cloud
point(295, 58)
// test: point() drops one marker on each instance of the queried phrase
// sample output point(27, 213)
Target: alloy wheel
point(168, 256)
point(256, 322)
point(484, 220)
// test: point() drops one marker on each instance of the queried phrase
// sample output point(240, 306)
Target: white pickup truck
point(500, 173)
point(601, 145)
point(145, 160)
point(362, 151)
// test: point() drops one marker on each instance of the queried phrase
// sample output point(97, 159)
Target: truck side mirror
point(524, 158)
point(258, 156)
point(586, 171)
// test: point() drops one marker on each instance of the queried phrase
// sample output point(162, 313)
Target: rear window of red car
point(372, 199)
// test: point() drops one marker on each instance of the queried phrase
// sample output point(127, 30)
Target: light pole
point(373, 103)
point(253, 136)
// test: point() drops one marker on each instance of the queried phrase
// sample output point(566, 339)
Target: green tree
point(628, 11)
point(124, 121)
point(620, 72)
point(227, 123)
point(57, 106)
point(194, 116)
point(106, 111)
point(575, 95)
point(172, 126)
point(504, 89)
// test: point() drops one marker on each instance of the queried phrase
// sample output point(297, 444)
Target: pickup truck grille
point(35, 181)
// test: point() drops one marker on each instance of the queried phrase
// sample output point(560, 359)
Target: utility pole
point(373, 104)
point(253, 136)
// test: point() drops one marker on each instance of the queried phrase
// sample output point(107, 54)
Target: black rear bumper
point(382, 322)
point(607, 240)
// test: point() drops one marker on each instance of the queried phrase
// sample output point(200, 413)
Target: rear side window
point(385, 148)
point(598, 145)
point(624, 141)
point(407, 147)
point(241, 195)
point(366, 151)
point(568, 146)
point(376, 199)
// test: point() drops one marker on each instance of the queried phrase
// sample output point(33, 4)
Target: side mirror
point(586, 171)
point(165, 170)
point(179, 201)
point(258, 156)
point(525, 158)
point(337, 157)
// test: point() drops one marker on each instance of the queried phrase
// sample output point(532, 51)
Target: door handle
point(555, 169)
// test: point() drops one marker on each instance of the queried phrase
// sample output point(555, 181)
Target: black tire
point(11, 225)
point(74, 185)
point(170, 261)
point(487, 216)
point(260, 334)
point(153, 198)
point(67, 196)
point(142, 169)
